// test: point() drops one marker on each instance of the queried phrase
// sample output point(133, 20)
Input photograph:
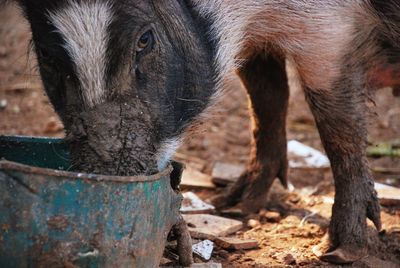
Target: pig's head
point(127, 78)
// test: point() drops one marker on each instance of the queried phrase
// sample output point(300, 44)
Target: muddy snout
point(113, 138)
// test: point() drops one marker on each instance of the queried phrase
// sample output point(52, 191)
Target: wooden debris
point(383, 149)
point(236, 243)
point(225, 173)
point(388, 195)
point(192, 178)
point(194, 162)
point(204, 226)
point(204, 249)
point(192, 204)
point(388, 172)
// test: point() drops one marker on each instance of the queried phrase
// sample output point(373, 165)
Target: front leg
point(340, 114)
point(264, 77)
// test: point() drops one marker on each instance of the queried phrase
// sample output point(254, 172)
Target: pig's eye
point(144, 41)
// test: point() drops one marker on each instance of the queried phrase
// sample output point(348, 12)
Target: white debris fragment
point(328, 200)
point(206, 265)
point(204, 249)
point(192, 204)
point(309, 157)
point(388, 195)
point(3, 104)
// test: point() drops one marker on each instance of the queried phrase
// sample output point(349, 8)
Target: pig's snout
point(113, 139)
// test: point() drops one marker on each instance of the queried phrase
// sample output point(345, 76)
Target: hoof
point(343, 256)
point(338, 255)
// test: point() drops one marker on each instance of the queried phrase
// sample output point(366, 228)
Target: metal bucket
point(55, 218)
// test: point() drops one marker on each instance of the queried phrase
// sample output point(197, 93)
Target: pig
point(342, 51)
point(126, 78)
point(130, 79)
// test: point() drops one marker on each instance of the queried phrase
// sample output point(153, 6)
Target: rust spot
point(5, 227)
point(58, 223)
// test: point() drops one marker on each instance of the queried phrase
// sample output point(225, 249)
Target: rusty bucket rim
point(15, 166)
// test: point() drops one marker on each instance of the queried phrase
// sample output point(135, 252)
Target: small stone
point(235, 243)
point(270, 216)
point(16, 109)
point(294, 198)
point(247, 259)
point(289, 259)
point(3, 104)
point(253, 223)
point(53, 126)
point(204, 249)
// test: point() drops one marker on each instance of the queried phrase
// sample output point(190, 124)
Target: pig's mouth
point(113, 139)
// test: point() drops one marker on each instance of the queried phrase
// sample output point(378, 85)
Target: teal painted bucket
point(50, 217)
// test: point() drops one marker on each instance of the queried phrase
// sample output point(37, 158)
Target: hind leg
point(340, 114)
point(266, 83)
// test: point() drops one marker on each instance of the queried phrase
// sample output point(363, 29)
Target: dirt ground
point(304, 213)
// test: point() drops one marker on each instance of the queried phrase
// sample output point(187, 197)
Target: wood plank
point(236, 243)
point(225, 173)
point(388, 195)
point(192, 179)
point(204, 226)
